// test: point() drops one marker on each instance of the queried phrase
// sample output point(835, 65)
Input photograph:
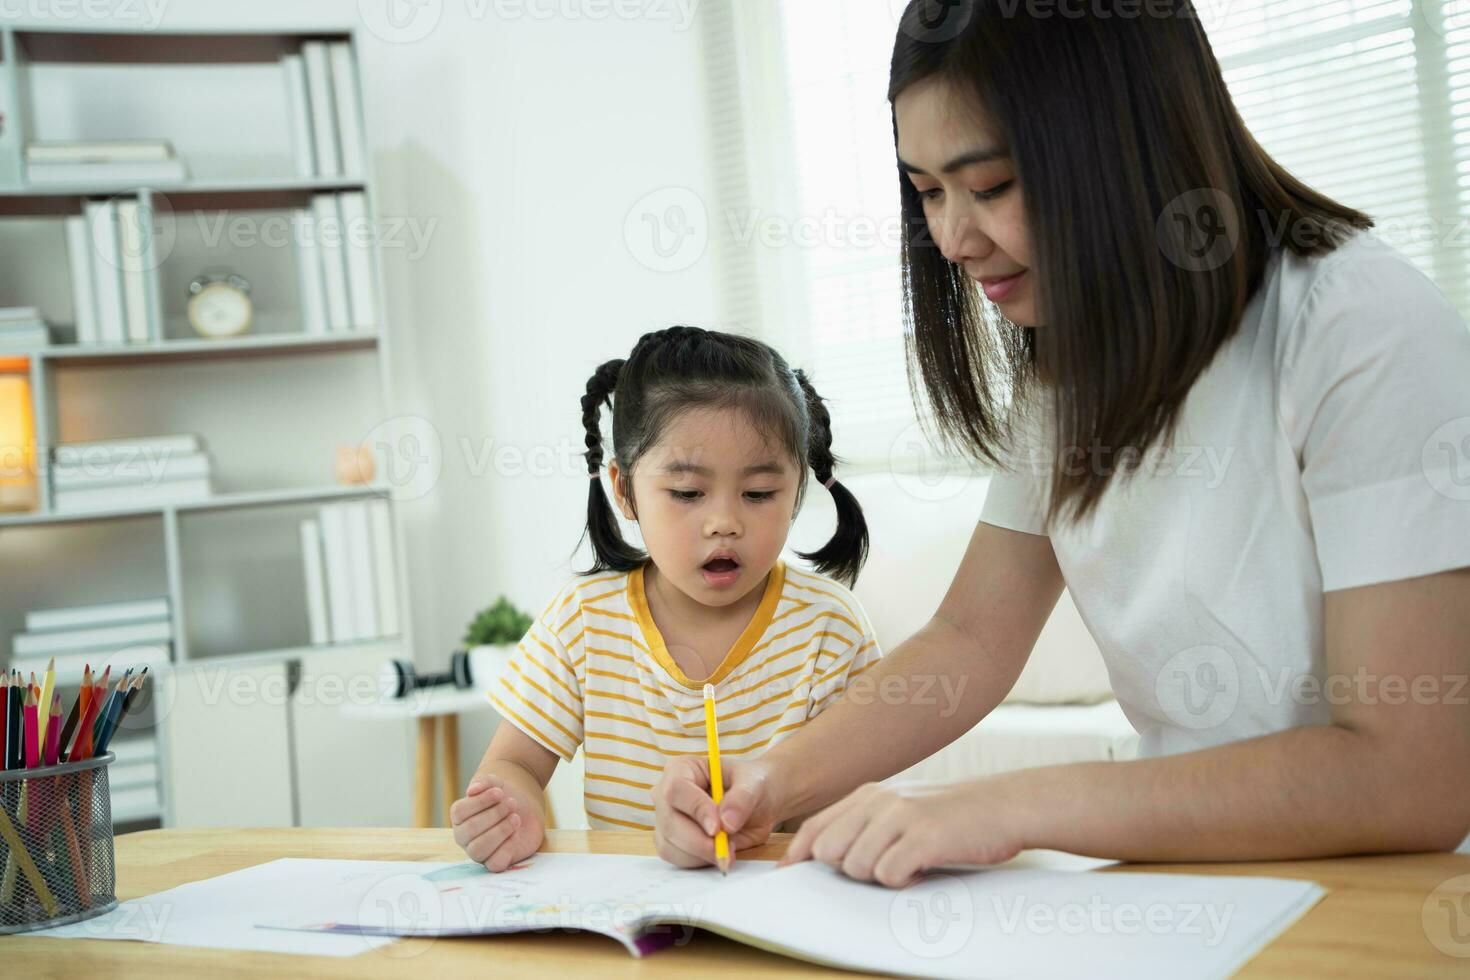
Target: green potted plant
point(492, 636)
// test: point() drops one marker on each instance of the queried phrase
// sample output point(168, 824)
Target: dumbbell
point(397, 678)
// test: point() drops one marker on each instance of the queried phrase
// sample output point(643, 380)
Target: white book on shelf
point(60, 151)
point(338, 561)
point(102, 613)
point(134, 803)
point(360, 556)
point(334, 262)
point(83, 293)
point(357, 235)
point(128, 775)
point(131, 172)
point(24, 340)
point(384, 568)
point(135, 751)
point(318, 623)
point(293, 70)
point(69, 666)
point(351, 140)
point(132, 244)
point(128, 447)
point(168, 492)
point(107, 271)
point(19, 314)
point(127, 472)
point(110, 637)
point(323, 108)
point(310, 287)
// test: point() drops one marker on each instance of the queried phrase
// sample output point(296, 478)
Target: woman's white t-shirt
point(1326, 447)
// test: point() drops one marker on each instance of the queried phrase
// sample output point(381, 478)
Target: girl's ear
point(615, 477)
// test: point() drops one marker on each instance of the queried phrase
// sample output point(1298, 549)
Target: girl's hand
point(892, 834)
point(493, 825)
point(686, 818)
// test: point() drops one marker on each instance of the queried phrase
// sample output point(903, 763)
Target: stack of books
point(335, 234)
point(22, 329)
point(136, 633)
point(106, 162)
point(351, 580)
point(326, 116)
point(334, 264)
point(108, 248)
point(133, 778)
point(120, 473)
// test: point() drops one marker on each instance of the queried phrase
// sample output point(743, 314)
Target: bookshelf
point(270, 405)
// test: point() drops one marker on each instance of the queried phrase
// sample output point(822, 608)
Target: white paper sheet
point(220, 913)
point(1014, 923)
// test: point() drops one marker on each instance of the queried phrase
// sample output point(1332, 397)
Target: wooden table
point(1371, 924)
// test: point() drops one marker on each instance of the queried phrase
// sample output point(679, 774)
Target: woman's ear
point(625, 506)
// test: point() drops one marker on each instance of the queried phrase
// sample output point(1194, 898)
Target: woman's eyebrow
point(963, 160)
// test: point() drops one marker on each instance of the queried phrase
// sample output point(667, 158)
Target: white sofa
point(1061, 708)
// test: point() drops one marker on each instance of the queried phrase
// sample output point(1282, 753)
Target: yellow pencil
point(48, 681)
point(23, 857)
point(716, 781)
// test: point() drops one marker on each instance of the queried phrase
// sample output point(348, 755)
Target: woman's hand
point(494, 826)
point(686, 818)
point(892, 834)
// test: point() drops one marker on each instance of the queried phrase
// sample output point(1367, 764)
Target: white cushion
point(919, 531)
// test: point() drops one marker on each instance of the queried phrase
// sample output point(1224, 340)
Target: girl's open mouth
point(721, 572)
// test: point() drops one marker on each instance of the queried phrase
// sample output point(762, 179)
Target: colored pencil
point(48, 683)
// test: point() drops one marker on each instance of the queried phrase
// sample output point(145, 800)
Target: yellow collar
point(638, 599)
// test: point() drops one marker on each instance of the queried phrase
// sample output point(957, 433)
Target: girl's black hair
point(680, 368)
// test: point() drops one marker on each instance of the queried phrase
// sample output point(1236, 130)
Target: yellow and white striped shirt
point(593, 671)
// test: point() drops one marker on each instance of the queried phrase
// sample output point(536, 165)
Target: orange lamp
point(17, 436)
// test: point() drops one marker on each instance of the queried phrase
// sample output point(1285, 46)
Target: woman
point(1290, 639)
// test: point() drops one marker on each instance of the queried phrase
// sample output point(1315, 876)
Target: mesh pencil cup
point(56, 854)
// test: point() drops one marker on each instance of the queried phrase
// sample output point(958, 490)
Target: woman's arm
point(1388, 773)
point(921, 696)
point(933, 687)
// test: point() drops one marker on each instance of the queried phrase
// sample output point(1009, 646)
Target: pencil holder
point(56, 855)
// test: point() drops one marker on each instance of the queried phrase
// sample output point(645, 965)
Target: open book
point(997, 922)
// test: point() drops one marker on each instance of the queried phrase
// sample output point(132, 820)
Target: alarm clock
point(219, 305)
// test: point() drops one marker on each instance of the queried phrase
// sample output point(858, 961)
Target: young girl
point(712, 438)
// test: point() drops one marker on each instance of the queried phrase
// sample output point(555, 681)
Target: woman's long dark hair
point(681, 368)
point(1152, 213)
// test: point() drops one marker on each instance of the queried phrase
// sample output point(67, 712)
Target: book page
point(1008, 922)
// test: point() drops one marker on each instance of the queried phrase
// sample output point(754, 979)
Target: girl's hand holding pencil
point(688, 818)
